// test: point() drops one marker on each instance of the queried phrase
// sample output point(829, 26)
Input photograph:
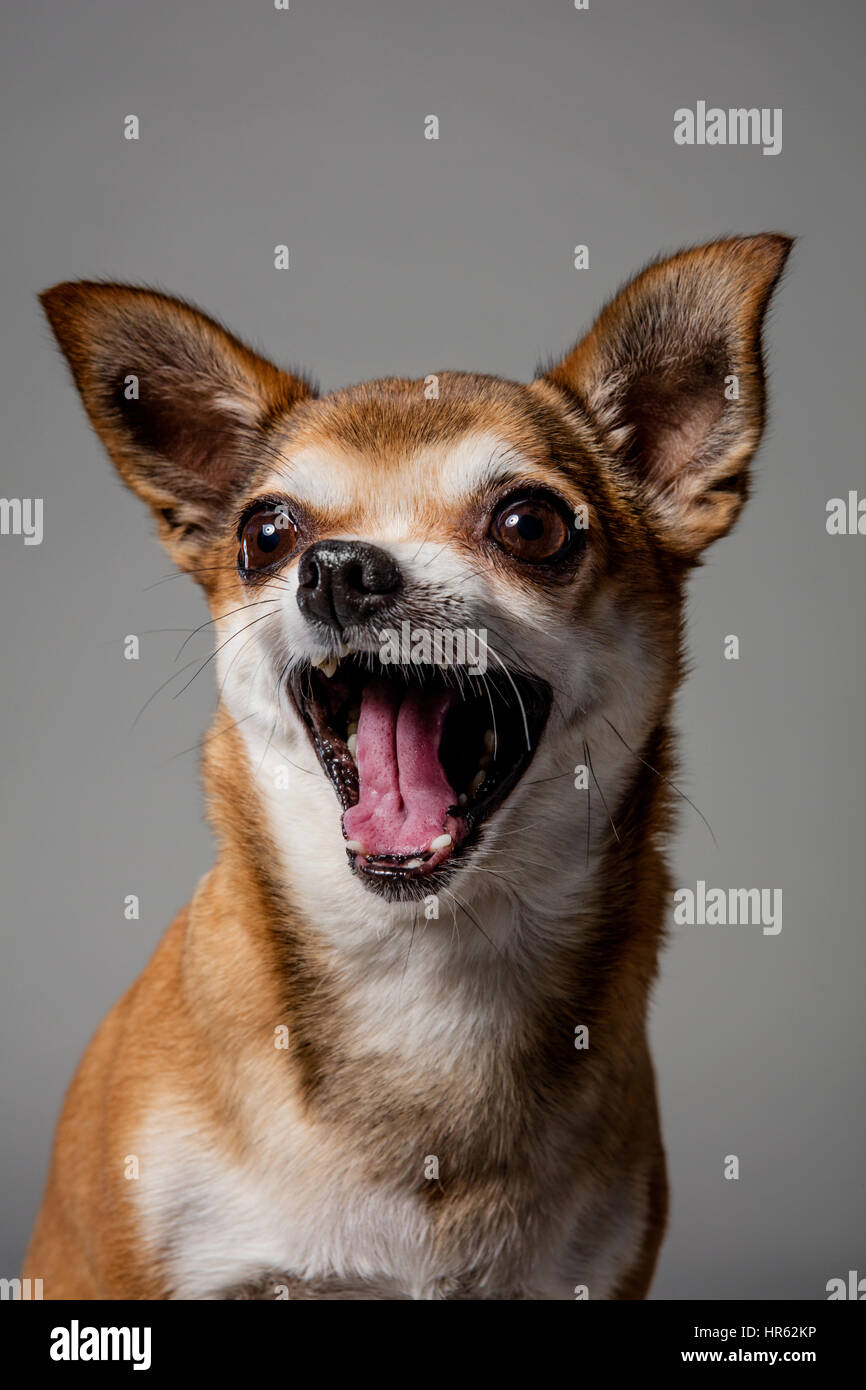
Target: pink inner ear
point(672, 418)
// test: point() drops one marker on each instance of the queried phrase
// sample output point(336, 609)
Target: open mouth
point(419, 757)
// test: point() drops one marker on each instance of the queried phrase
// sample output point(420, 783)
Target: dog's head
point(427, 581)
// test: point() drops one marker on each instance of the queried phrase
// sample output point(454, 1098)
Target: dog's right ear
point(179, 403)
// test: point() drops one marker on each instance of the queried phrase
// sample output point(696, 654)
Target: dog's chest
point(305, 1213)
point(422, 1171)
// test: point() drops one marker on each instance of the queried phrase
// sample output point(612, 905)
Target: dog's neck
point(569, 879)
point(496, 1043)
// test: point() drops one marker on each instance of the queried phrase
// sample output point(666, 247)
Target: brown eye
point(267, 537)
point(533, 529)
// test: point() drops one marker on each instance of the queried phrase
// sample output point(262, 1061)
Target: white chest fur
point(310, 1216)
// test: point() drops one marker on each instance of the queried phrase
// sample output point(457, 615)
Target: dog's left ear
point(672, 373)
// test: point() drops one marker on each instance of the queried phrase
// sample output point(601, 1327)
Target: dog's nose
point(343, 583)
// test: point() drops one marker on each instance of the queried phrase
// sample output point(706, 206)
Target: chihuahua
point(396, 1046)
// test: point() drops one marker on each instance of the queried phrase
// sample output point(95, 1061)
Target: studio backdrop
point(394, 189)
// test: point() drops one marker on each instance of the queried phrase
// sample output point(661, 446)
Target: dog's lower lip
point(517, 707)
point(395, 866)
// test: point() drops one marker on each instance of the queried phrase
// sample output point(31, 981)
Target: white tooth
point(352, 744)
point(326, 664)
point(476, 782)
point(414, 863)
point(355, 846)
point(462, 799)
point(441, 842)
point(489, 741)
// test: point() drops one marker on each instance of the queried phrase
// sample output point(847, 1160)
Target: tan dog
point(396, 1045)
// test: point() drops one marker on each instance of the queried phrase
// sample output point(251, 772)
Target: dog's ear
point(180, 404)
point(672, 372)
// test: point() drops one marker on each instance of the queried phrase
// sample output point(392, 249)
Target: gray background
point(260, 127)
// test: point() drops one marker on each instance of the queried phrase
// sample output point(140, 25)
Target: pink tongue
point(404, 794)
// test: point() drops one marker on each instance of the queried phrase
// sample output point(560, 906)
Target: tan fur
point(538, 1152)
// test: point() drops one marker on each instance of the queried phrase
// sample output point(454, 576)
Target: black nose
point(345, 582)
